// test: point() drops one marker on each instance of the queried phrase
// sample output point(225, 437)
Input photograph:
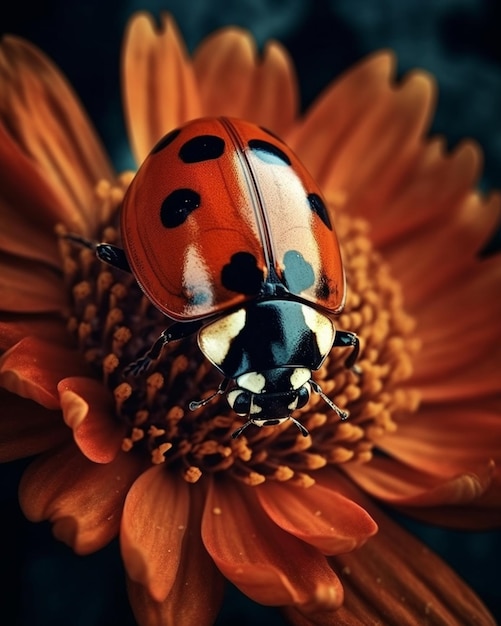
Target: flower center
point(114, 323)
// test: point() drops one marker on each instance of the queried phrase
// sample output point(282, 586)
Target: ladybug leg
point(316, 387)
point(343, 339)
point(346, 339)
point(107, 252)
point(113, 255)
point(178, 330)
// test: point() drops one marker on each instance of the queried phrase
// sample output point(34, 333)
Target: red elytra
point(218, 209)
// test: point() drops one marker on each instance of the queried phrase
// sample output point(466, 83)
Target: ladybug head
point(268, 398)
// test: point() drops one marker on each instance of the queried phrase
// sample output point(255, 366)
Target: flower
point(287, 519)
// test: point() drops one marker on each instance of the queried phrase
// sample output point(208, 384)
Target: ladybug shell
point(221, 212)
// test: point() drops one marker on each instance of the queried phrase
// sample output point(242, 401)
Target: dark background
point(42, 583)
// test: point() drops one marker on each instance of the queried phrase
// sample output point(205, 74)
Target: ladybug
point(228, 236)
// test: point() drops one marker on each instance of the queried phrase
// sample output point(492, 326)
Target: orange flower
point(285, 518)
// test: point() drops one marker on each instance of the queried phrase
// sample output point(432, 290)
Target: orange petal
point(393, 579)
point(319, 516)
point(461, 336)
point(197, 592)
point(158, 82)
point(28, 287)
point(26, 428)
point(369, 121)
point(402, 485)
point(89, 409)
point(234, 81)
point(429, 189)
point(153, 526)
point(29, 199)
point(22, 236)
point(342, 105)
point(48, 327)
point(447, 439)
point(225, 64)
point(267, 564)
point(32, 369)
point(29, 209)
point(84, 500)
point(469, 295)
point(43, 116)
point(472, 382)
point(482, 514)
point(274, 102)
point(463, 234)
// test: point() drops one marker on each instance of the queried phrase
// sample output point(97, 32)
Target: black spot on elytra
point(269, 152)
point(323, 287)
point(177, 206)
point(298, 273)
point(317, 206)
point(165, 141)
point(201, 148)
point(270, 132)
point(242, 274)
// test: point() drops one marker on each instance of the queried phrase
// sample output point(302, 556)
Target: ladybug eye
point(201, 148)
point(268, 152)
point(177, 207)
point(317, 206)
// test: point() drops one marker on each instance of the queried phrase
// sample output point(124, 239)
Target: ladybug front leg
point(346, 339)
point(106, 252)
point(178, 330)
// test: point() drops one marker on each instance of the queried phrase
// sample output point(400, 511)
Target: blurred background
point(43, 583)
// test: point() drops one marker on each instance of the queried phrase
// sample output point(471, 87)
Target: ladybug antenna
point(240, 430)
point(316, 387)
point(197, 404)
point(304, 431)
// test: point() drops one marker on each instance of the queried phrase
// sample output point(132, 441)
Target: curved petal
point(463, 234)
point(319, 516)
point(47, 327)
point(447, 439)
point(88, 409)
point(33, 368)
point(460, 332)
point(197, 592)
point(369, 120)
point(30, 201)
point(41, 113)
point(82, 499)
point(482, 514)
point(264, 562)
point(28, 287)
point(29, 207)
point(225, 64)
point(159, 89)
point(234, 81)
point(338, 109)
point(153, 526)
point(431, 188)
point(275, 101)
point(402, 485)
point(396, 580)
point(26, 428)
